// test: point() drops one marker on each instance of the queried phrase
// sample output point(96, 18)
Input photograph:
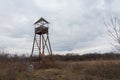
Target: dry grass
point(97, 70)
point(85, 70)
point(11, 70)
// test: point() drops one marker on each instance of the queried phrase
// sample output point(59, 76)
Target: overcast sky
point(75, 25)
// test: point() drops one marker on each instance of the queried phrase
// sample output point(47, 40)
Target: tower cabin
point(41, 26)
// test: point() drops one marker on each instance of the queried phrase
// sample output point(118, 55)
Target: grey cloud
point(74, 24)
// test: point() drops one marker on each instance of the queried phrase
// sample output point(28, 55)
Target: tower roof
point(40, 20)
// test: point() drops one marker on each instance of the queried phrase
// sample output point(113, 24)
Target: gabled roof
point(40, 20)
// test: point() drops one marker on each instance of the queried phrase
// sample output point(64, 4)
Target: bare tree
point(113, 27)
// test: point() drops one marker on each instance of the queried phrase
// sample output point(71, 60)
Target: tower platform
point(41, 30)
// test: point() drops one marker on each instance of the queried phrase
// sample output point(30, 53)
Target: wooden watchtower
point(41, 40)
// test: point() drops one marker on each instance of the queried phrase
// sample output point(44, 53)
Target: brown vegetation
point(85, 70)
point(15, 68)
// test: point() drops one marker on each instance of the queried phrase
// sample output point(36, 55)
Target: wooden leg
point(32, 49)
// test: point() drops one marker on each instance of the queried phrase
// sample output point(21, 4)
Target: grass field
point(85, 70)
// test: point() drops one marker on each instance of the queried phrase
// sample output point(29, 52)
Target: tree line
point(58, 57)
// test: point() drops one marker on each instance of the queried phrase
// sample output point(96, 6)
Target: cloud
point(74, 24)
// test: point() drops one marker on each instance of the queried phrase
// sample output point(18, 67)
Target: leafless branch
point(113, 27)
